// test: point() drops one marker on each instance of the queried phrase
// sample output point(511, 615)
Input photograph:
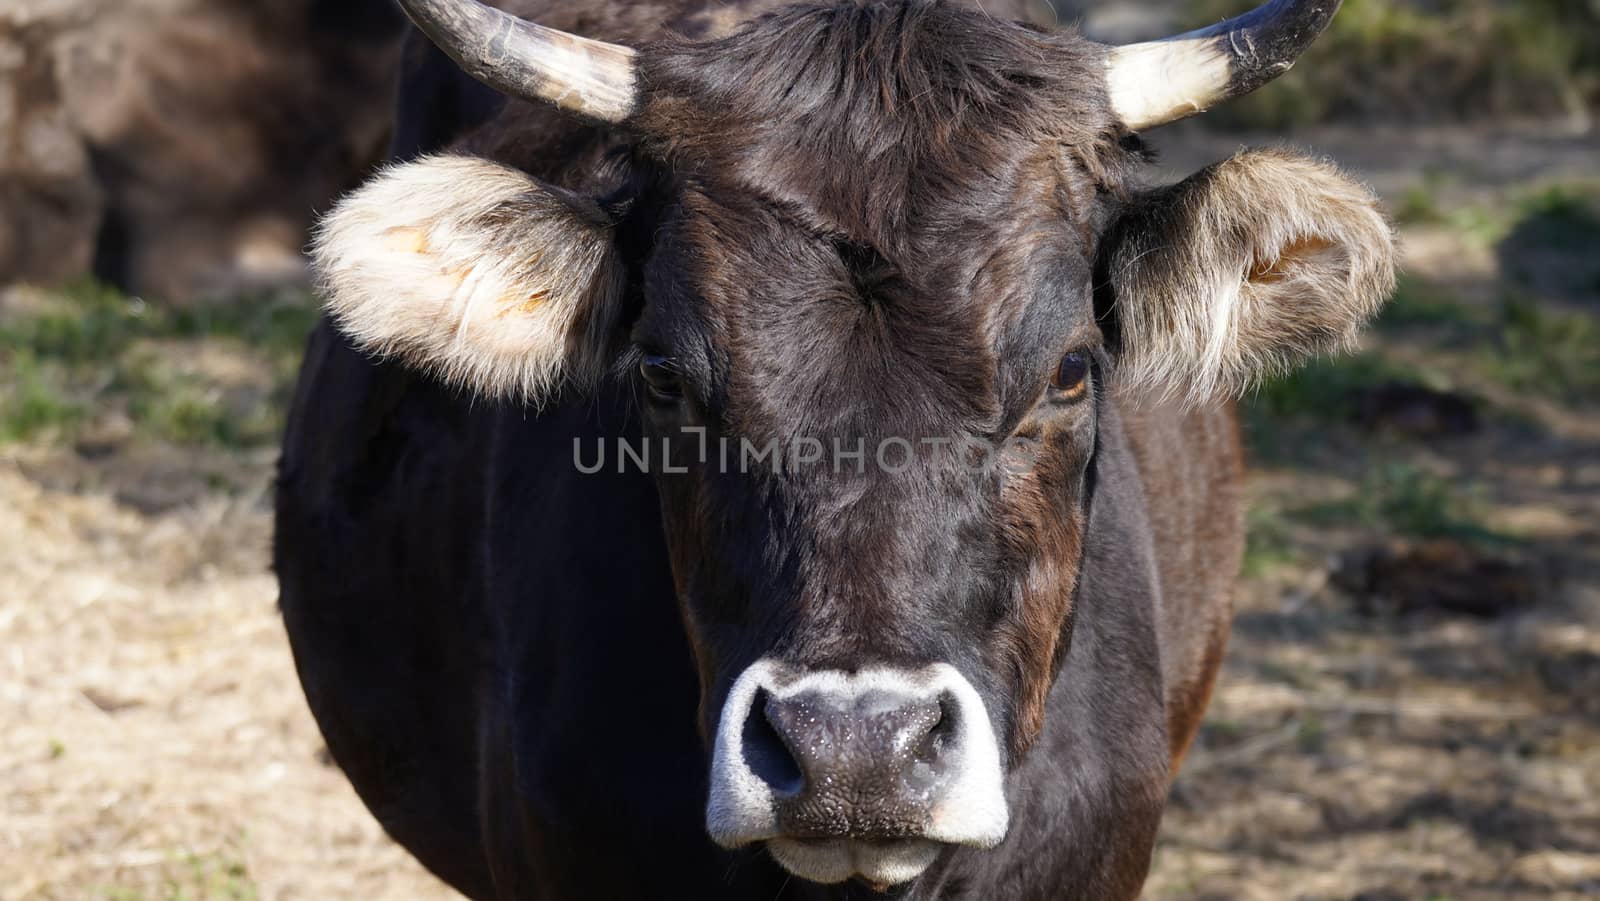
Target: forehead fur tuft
point(882, 121)
point(468, 269)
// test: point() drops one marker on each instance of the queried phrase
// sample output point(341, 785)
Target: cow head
point(876, 270)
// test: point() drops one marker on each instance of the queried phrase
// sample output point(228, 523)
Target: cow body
point(455, 591)
point(515, 663)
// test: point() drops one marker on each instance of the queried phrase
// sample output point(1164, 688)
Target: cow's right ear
point(473, 271)
point(1243, 270)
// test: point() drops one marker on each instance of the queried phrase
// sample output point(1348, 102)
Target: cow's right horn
point(590, 78)
point(1162, 81)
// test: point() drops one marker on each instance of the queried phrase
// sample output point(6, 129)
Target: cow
point(760, 451)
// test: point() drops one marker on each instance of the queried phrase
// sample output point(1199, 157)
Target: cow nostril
point(766, 753)
point(931, 738)
point(932, 743)
point(943, 732)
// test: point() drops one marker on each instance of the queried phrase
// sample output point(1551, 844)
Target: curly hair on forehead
point(874, 113)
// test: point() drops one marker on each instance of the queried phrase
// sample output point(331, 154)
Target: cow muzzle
point(855, 774)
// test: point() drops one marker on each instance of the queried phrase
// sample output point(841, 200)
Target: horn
point(1157, 82)
point(590, 78)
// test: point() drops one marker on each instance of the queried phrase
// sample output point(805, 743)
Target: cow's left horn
point(1162, 81)
point(587, 77)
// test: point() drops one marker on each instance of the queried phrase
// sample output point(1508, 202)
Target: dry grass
point(1351, 753)
point(156, 743)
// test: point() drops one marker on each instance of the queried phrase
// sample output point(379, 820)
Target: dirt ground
point(155, 742)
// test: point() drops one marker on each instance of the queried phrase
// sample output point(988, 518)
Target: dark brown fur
point(851, 221)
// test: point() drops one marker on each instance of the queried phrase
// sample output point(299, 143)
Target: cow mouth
point(879, 863)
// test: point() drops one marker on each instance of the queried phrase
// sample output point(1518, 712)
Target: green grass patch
point(1541, 349)
point(169, 400)
point(1573, 210)
point(1401, 499)
point(215, 876)
point(1550, 249)
point(1419, 205)
point(216, 373)
point(195, 877)
point(1416, 303)
point(1286, 416)
point(36, 401)
point(1485, 225)
point(1310, 734)
point(1323, 390)
point(1297, 675)
point(1267, 543)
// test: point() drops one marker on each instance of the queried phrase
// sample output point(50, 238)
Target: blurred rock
point(107, 701)
point(1550, 251)
point(1574, 675)
point(181, 147)
point(1560, 870)
point(108, 433)
point(1402, 576)
point(1414, 411)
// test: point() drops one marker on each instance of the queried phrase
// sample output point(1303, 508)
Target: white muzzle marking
point(966, 806)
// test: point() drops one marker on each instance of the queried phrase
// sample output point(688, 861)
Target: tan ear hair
point(1245, 269)
point(468, 269)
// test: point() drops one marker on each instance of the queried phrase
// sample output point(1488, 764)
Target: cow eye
point(1071, 380)
point(661, 376)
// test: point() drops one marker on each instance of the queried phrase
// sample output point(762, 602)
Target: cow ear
point(1243, 270)
point(472, 271)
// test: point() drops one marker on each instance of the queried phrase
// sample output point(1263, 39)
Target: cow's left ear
point(473, 271)
point(1242, 270)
